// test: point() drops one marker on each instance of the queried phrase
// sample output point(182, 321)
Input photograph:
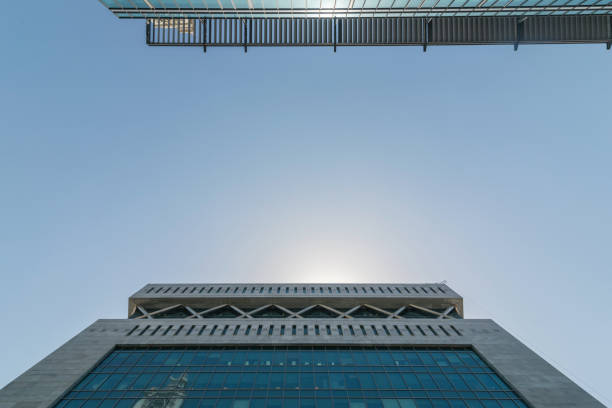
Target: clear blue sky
point(122, 164)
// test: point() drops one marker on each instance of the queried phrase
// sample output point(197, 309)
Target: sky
point(122, 164)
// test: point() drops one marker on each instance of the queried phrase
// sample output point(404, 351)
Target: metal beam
point(519, 28)
point(204, 32)
point(424, 309)
point(609, 43)
point(429, 12)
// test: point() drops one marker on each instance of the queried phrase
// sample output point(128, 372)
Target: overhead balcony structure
point(340, 23)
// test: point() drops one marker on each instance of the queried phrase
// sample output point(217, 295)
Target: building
point(338, 23)
point(294, 346)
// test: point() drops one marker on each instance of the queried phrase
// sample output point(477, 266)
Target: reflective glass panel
point(291, 377)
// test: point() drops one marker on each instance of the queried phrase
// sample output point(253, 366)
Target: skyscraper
point(294, 346)
point(339, 23)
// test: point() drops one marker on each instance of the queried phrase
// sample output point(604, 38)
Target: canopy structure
point(368, 22)
point(353, 8)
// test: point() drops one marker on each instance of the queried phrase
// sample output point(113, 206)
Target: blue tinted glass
point(359, 377)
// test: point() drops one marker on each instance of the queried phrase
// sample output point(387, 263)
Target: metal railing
point(377, 31)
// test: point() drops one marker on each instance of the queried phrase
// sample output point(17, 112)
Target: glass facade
point(292, 377)
point(352, 8)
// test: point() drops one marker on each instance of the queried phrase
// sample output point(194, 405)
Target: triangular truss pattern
point(369, 312)
point(273, 311)
point(319, 312)
point(223, 312)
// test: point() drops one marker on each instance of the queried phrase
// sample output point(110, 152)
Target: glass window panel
point(199, 358)
point(216, 381)
point(457, 382)
point(453, 358)
point(232, 380)
point(84, 382)
point(381, 380)
point(108, 403)
point(264, 378)
point(157, 380)
point(411, 380)
point(208, 403)
point(472, 382)
point(258, 403)
point(276, 380)
point(499, 382)
point(172, 359)
point(346, 357)
point(109, 3)
point(324, 403)
point(111, 382)
point(201, 380)
point(351, 380)
point(306, 380)
point(412, 358)
point(291, 403)
point(396, 380)
point(359, 357)
point(292, 380)
point(366, 380)
point(390, 403)
point(337, 380)
point(373, 403)
point(487, 381)
point(239, 357)
point(427, 381)
point(213, 357)
point(246, 381)
point(307, 403)
point(372, 356)
point(261, 380)
point(141, 382)
point(96, 382)
point(385, 357)
point(442, 382)
point(322, 380)
point(160, 358)
point(426, 357)
point(341, 403)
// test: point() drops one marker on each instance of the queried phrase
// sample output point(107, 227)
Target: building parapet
point(336, 300)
